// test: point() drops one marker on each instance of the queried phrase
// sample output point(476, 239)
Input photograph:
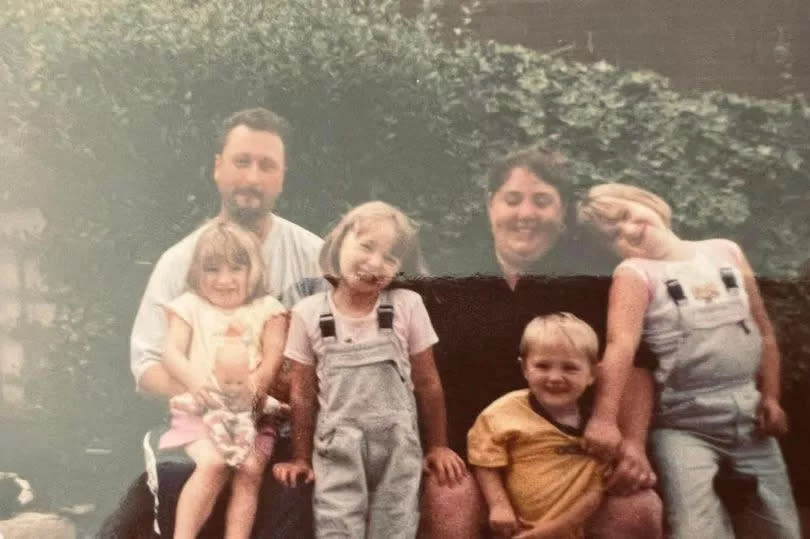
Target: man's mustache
point(248, 191)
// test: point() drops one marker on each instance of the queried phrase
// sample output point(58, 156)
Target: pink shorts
point(185, 428)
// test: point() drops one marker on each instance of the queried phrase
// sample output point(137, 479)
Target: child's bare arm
point(626, 307)
point(178, 340)
point(632, 470)
point(274, 334)
point(566, 523)
point(502, 519)
point(303, 401)
point(771, 417)
point(442, 460)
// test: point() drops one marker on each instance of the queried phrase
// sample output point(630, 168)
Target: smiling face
point(249, 173)
point(558, 374)
point(526, 216)
point(224, 284)
point(632, 229)
point(369, 255)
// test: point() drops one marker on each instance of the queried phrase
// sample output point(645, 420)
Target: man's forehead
point(242, 137)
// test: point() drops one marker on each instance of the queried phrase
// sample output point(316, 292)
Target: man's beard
point(248, 216)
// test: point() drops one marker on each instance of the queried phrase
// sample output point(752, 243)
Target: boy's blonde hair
point(560, 328)
point(594, 208)
point(367, 214)
point(225, 242)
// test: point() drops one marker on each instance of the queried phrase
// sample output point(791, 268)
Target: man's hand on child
point(446, 465)
point(289, 473)
point(602, 439)
point(632, 471)
point(771, 419)
point(502, 520)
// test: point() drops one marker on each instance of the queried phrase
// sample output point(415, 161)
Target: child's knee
point(251, 470)
point(210, 463)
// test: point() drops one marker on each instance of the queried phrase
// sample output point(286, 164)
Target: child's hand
point(288, 473)
point(632, 471)
point(530, 530)
point(602, 439)
point(447, 466)
point(771, 419)
point(271, 406)
point(203, 391)
point(502, 520)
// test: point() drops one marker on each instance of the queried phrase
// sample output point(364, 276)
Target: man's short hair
point(258, 119)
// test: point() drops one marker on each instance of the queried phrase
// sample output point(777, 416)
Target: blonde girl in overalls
point(717, 380)
point(362, 374)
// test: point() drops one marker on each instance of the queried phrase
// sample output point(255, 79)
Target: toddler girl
point(225, 325)
point(362, 357)
point(698, 307)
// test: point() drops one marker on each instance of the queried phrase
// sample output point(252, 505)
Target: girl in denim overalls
point(362, 357)
point(717, 383)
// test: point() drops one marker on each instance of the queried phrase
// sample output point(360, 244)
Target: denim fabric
point(687, 465)
point(367, 458)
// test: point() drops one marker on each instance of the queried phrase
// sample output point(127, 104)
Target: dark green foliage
point(116, 104)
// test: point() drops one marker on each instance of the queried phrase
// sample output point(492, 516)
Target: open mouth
point(369, 278)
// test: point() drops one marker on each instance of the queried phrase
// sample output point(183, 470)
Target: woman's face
point(526, 216)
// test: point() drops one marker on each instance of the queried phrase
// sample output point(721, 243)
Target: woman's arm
point(771, 417)
point(502, 519)
point(432, 415)
point(572, 519)
point(627, 304)
point(274, 334)
point(303, 402)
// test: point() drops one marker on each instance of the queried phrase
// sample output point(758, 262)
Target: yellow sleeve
point(486, 443)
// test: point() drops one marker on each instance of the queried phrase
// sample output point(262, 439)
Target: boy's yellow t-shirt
point(546, 470)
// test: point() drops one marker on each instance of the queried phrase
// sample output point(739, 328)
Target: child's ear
point(592, 375)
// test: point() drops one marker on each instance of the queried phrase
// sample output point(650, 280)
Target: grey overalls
point(699, 324)
point(367, 457)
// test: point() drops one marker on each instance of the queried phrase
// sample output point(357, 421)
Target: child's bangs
point(370, 222)
point(553, 338)
point(550, 337)
point(223, 248)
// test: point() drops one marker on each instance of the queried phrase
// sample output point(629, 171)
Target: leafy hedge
point(119, 101)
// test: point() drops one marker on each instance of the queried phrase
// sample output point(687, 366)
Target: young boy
point(525, 447)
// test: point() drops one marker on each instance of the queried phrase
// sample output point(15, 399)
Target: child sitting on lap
point(231, 425)
point(525, 447)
